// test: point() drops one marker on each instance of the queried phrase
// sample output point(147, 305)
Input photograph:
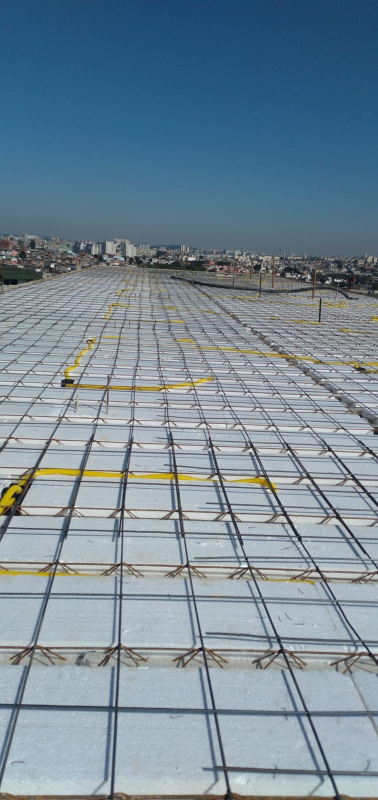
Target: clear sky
point(246, 124)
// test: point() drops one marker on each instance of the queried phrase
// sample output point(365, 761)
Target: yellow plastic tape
point(10, 496)
point(351, 330)
point(74, 366)
point(126, 305)
point(157, 388)
point(74, 574)
point(304, 322)
point(263, 354)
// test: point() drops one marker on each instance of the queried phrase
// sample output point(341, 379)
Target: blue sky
point(222, 123)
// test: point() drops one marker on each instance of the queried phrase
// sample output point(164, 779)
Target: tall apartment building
point(128, 250)
point(93, 248)
point(185, 248)
point(108, 248)
point(79, 247)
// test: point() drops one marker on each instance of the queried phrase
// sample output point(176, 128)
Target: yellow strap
point(10, 496)
point(63, 574)
point(351, 330)
point(74, 366)
point(157, 388)
point(304, 322)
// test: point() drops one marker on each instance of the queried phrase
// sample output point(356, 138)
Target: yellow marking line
point(156, 388)
point(303, 322)
point(159, 388)
point(263, 354)
point(351, 330)
point(74, 574)
point(112, 307)
point(10, 496)
point(144, 308)
point(74, 366)
point(260, 353)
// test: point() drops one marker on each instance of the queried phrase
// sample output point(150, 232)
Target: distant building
point(109, 248)
point(79, 247)
point(185, 248)
point(128, 250)
point(93, 248)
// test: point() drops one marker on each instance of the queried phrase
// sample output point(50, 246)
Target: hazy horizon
point(167, 241)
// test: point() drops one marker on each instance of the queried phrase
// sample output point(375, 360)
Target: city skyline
point(243, 126)
point(96, 240)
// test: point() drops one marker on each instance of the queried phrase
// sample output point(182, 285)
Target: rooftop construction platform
point(188, 541)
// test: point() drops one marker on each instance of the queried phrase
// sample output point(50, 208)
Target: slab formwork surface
point(188, 541)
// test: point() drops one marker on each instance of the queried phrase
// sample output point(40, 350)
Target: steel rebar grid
point(168, 430)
